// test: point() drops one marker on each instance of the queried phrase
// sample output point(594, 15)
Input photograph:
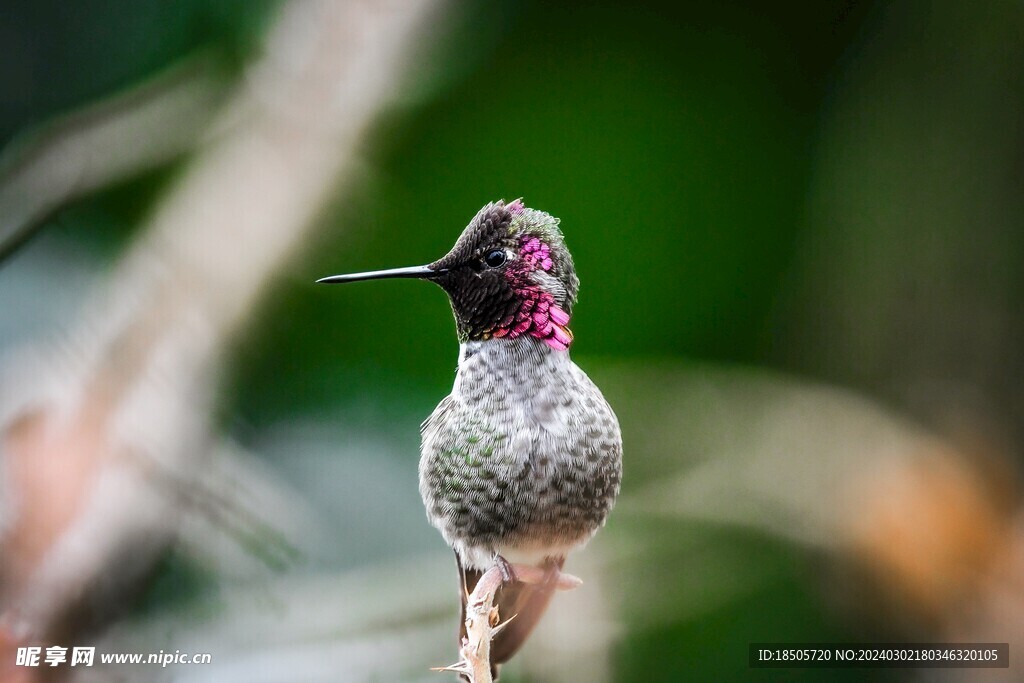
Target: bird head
point(508, 275)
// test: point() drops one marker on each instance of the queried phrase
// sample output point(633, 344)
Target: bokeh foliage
point(674, 140)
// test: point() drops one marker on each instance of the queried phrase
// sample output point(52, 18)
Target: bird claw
point(508, 573)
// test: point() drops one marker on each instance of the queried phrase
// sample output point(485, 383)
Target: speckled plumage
point(523, 459)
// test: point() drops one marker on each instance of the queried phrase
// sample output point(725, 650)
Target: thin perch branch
point(483, 621)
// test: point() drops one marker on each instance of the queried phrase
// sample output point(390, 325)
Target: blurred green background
point(822, 192)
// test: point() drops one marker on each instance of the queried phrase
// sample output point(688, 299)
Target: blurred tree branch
point(127, 393)
point(102, 144)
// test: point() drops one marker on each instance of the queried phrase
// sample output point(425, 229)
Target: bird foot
point(508, 572)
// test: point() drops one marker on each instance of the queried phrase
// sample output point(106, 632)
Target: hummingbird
point(522, 462)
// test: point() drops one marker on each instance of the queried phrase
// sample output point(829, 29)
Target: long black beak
point(420, 272)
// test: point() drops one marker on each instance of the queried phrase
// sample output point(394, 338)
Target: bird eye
point(495, 258)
